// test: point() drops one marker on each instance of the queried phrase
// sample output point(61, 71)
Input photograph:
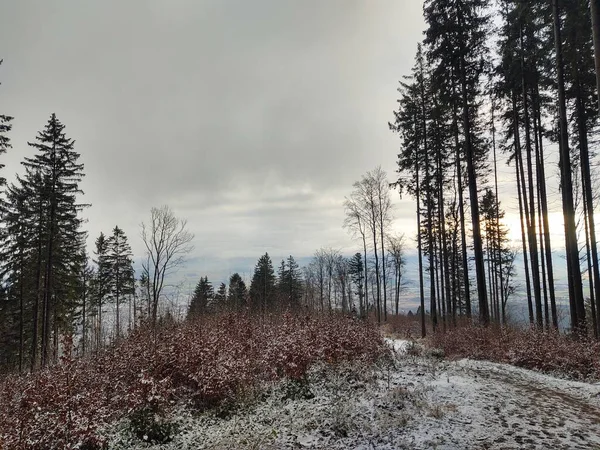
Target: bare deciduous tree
point(396, 251)
point(167, 243)
point(369, 208)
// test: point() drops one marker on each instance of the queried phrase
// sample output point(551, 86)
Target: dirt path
point(496, 406)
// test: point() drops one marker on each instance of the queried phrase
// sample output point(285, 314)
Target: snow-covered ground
point(410, 402)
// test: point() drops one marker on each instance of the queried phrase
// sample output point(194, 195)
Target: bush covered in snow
point(200, 364)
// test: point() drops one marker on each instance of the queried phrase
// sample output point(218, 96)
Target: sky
point(250, 119)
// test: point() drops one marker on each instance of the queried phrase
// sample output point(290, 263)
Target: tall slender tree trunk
point(533, 247)
point(540, 224)
point(83, 313)
point(457, 304)
point(590, 277)
point(484, 315)
point(498, 273)
point(544, 213)
point(383, 261)
point(38, 293)
point(420, 251)
point(431, 245)
point(447, 308)
point(542, 260)
point(524, 241)
point(588, 198)
point(575, 286)
point(47, 294)
point(595, 13)
point(440, 264)
point(366, 295)
point(21, 311)
point(377, 273)
point(117, 292)
point(523, 207)
point(461, 210)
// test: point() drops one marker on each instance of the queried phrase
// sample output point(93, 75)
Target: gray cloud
point(250, 118)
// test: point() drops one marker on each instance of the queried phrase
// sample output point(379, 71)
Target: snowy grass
point(207, 365)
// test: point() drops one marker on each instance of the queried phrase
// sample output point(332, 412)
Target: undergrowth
point(545, 351)
point(201, 364)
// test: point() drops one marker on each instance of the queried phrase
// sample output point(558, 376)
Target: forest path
point(497, 406)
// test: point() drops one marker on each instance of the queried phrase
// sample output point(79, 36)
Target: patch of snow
point(399, 346)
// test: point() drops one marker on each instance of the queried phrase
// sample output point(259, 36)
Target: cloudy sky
point(249, 118)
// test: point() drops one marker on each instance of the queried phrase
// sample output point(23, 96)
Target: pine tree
point(86, 278)
point(356, 271)
point(221, 296)
point(203, 296)
point(289, 283)
point(17, 270)
point(581, 95)
point(53, 176)
point(497, 255)
point(455, 38)
point(101, 286)
point(237, 292)
point(263, 285)
point(576, 301)
point(120, 266)
point(283, 289)
point(412, 123)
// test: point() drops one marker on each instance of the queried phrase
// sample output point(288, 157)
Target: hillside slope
point(414, 403)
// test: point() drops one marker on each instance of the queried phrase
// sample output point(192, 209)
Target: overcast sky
point(249, 118)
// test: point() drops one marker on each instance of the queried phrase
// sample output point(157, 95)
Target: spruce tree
point(576, 301)
point(455, 38)
point(289, 283)
point(580, 93)
point(412, 122)
point(85, 295)
point(356, 271)
point(18, 271)
point(237, 292)
point(201, 299)
point(53, 176)
point(101, 285)
point(263, 285)
point(221, 296)
point(120, 266)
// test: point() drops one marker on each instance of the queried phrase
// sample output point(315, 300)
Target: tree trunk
point(499, 275)
point(420, 251)
point(575, 287)
point(533, 247)
point(544, 212)
point(595, 12)
point(523, 207)
point(461, 209)
point(484, 315)
point(588, 198)
point(524, 240)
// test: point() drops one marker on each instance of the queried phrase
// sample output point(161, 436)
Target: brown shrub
point(546, 351)
point(202, 363)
